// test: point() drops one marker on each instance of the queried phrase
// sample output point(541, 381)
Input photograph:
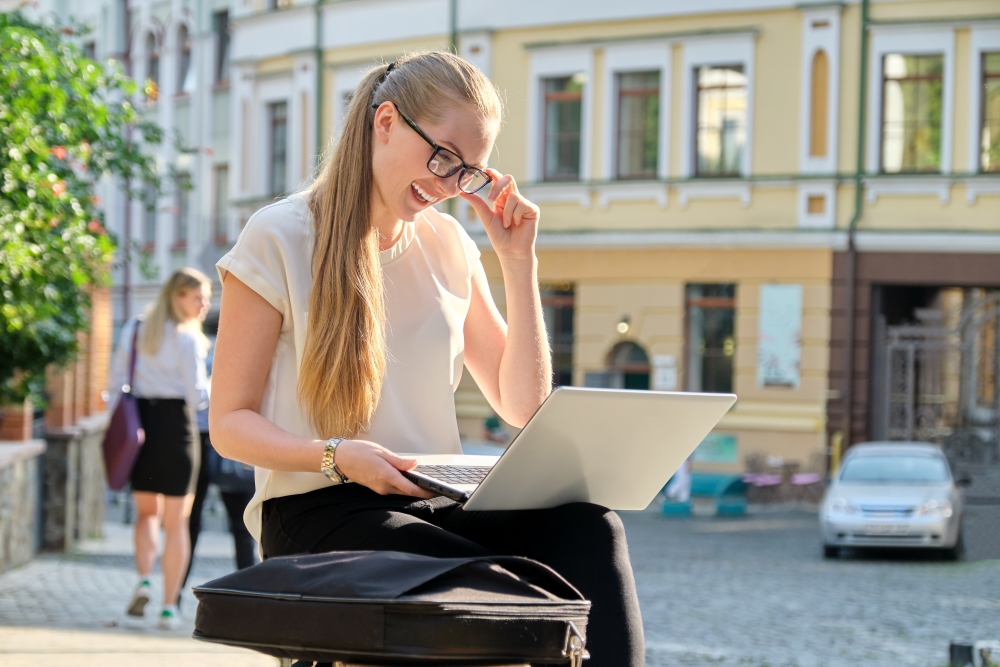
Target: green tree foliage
point(65, 121)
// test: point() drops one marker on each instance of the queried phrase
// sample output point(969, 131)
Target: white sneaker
point(140, 598)
point(170, 618)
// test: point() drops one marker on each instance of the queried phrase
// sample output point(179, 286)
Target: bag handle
point(127, 389)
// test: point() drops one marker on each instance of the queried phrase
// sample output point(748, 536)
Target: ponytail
point(344, 360)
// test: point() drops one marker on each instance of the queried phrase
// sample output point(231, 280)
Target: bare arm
point(248, 333)
point(509, 361)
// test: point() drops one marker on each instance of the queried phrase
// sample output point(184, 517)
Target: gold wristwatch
point(329, 467)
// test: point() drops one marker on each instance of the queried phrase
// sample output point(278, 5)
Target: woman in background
point(170, 385)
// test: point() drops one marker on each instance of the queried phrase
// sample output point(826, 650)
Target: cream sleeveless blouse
point(428, 287)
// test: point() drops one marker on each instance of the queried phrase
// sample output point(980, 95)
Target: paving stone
point(756, 591)
point(744, 591)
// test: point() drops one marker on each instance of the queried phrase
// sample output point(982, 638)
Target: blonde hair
point(345, 343)
point(165, 309)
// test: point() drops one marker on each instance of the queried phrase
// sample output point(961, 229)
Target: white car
point(892, 494)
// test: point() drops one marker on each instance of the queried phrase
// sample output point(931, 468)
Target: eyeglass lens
point(444, 163)
point(472, 181)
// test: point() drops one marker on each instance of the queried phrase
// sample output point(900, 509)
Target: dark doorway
point(630, 363)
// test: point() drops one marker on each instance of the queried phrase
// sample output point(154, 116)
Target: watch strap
point(329, 465)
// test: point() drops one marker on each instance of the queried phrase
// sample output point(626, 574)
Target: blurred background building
point(728, 188)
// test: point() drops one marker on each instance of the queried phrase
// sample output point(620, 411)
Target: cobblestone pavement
point(742, 591)
point(756, 591)
point(69, 610)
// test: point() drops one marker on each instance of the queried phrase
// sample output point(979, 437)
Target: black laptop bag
point(392, 608)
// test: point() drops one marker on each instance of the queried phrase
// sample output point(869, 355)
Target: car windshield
point(888, 469)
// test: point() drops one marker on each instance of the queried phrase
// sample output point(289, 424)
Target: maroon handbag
point(125, 434)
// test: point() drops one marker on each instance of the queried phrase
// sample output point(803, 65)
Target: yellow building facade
point(696, 171)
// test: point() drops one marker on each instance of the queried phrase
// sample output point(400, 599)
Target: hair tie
point(385, 76)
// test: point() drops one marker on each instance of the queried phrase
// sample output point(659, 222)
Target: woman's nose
point(451, 184)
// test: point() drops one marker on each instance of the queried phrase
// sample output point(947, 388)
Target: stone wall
point(52, 501)
point(19, 501)
point(73, 507)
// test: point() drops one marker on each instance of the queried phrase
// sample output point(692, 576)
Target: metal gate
point(939, 381)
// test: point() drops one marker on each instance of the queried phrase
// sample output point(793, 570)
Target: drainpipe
point(449, 205)
point(453, 25)
point(317, 121)
point(852, 274)
point(126, 59)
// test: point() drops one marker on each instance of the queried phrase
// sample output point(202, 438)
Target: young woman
point(348, 311)
point(170, 384)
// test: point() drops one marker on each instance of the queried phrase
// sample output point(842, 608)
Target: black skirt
point(168, 460)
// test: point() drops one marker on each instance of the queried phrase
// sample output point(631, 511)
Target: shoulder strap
point(131, 362)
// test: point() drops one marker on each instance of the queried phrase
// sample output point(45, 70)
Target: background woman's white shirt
point(177, 370)
point(428, 289)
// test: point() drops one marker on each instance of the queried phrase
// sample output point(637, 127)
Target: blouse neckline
point(402, 243)
point(385, 256)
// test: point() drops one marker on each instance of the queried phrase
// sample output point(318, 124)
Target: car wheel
point(956, 552)
point(830, 551)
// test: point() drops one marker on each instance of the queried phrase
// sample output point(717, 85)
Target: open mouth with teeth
point(422, 195)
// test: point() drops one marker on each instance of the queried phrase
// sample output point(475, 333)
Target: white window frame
point(984, 39)
point(554, 62)
point(622, 60)
point(917, 42)
point(825, 189)
point(476, 47)
point(304, 85)
point(268, 92)
point(826, 39)
point(243, 155)
point(345, 80)
point(729, 50)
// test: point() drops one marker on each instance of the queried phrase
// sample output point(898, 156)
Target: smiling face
point(403, 184)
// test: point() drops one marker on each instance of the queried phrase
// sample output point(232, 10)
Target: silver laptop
point(612, 447)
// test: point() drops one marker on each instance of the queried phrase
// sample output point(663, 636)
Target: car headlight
point(842, 506)
point(938, 508)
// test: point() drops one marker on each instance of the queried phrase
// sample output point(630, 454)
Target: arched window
point(628, 365)
point(818, 104)
point(152, 68)
point(185, 75)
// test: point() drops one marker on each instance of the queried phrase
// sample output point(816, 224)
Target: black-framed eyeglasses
point(445, 164)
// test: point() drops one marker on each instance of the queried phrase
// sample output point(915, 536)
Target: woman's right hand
point(377, 468)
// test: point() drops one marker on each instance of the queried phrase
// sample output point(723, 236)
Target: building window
point(721, 118)
point(220, 210)
point(911, 113)
point(182, 194)
point(818, 104)
point(990, 156)
point(638, 124)
point(152, 69)
point(711, 338)
point(220, 25)
point(563, 108)
point(557, 308)
point(185, 73)
point(90, 50)
point(278, 148)
point(149, 216)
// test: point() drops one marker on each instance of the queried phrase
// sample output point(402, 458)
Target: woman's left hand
point(510, 220)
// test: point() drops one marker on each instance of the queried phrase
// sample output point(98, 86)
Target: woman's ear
point(385, 116)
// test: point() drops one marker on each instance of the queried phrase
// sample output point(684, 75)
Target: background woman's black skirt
point(168, 460)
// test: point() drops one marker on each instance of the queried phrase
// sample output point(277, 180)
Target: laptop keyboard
point(455, 474)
